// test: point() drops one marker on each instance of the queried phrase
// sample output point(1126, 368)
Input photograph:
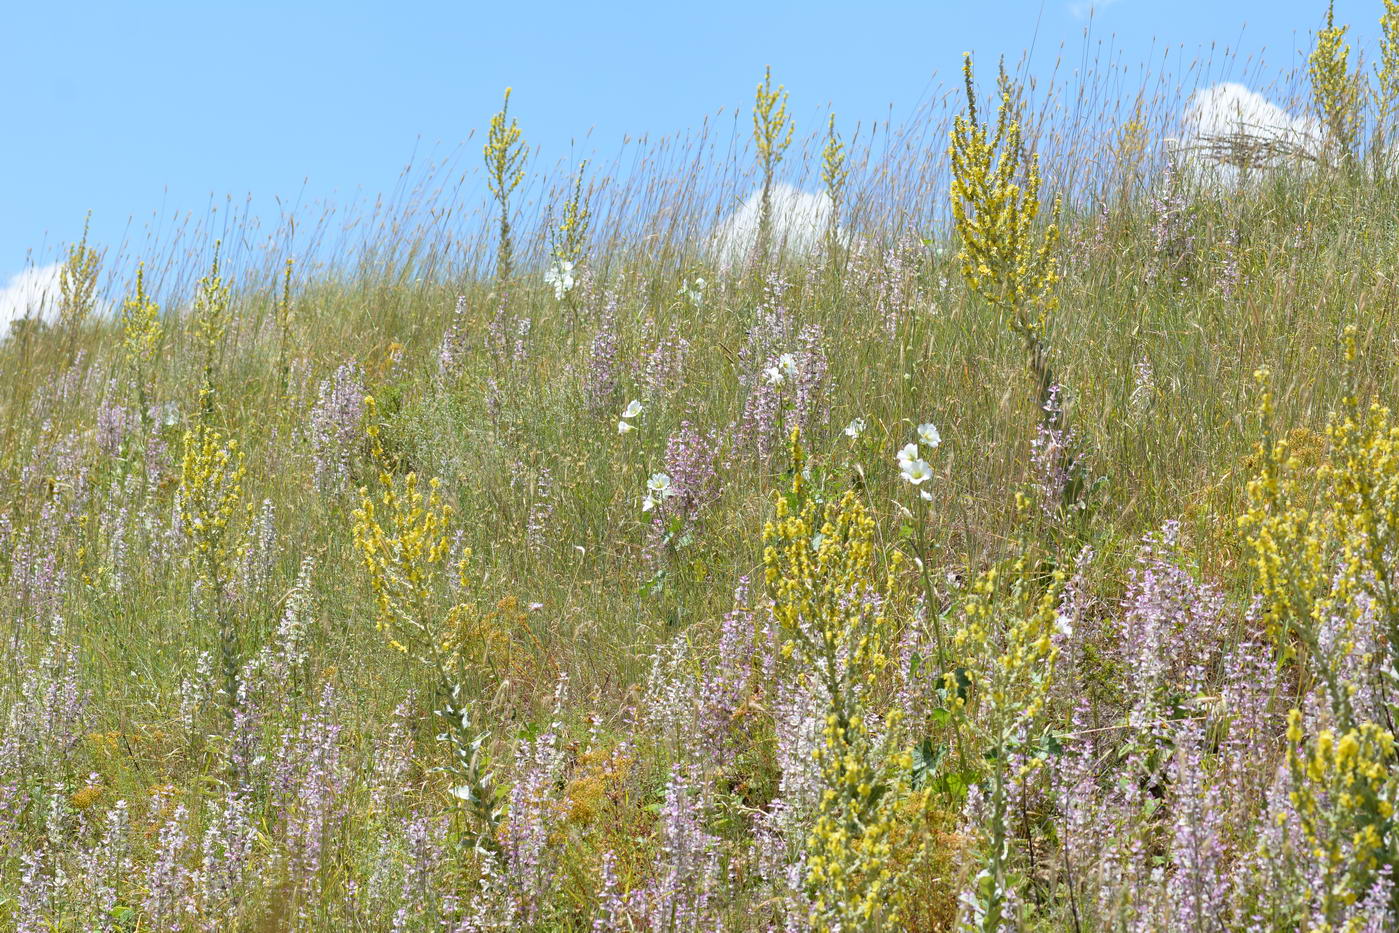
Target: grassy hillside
point(342, 607)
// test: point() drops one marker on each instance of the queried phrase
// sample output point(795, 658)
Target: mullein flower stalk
point(772, 134)
point(401, 533)
point(1323, 542)
point(995, 208)
point(1008, 648)
point(77, 283)
point(141, 338)
point(505, 153)
point(210, 325)
point(211, 490)
point(834, 174)
point(829, 605)
point(283, 311)
point(570, 242)
point(1336, 91)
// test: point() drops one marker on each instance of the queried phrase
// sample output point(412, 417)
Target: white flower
point(916, 472)
point(774, 376)
point(659, 485)
point(788, 364)
point(925, 495)
point(623, 427)
point(657, 489)
point(1063, 626)
point(633, 409)
point(855, 428)
point(560, 275)
point(907, 455)
point(928, 434)
point(692, 291)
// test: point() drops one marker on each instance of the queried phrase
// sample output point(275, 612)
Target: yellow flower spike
point(505, 153)
point(819, 600)
point(1336, 91)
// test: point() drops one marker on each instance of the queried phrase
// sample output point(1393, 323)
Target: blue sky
point(134, 109)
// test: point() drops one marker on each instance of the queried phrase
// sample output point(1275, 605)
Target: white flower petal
point(916, 472)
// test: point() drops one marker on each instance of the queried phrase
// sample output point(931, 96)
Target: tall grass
point(631, 718)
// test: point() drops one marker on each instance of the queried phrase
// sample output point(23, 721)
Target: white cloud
point(1082, 9)
point(34, 293)
point(1227, 124)
point(800, 220)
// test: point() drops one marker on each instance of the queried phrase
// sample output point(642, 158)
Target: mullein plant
point(1322, 543)
point(1384, 94)
point(141, 337)
point(401, 534)
point(834, 174)
point(505, 153)
point(211, 490)
point(1004, 258)
point(283, 313)
point(569, 240)
point(1336, 91)
point(995, 206)
point(77, 283)
point(1007, 650)
point(211, 300)
point(832, 611)
point(772, 134)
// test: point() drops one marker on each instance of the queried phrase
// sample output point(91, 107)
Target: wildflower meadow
point(987, 523)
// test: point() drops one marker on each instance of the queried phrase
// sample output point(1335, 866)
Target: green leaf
point(956, 783)
point(926, 759)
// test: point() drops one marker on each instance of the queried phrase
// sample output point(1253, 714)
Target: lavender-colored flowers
point(334, 426)
point(601, 380)
point(1057, 465)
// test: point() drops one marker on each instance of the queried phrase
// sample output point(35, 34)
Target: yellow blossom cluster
point(772, 134)
point(1343, 795)
point(1006, 648)
point(504, 153)
point(1011, 670)
point(211, 320)
point(995, 204)
point(401, 535)
point(1335, 89)
point(211, 485)
point(77, 282)
point(140, 328)
point(572, 237)
point(1323, 541)
point(819, 562)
